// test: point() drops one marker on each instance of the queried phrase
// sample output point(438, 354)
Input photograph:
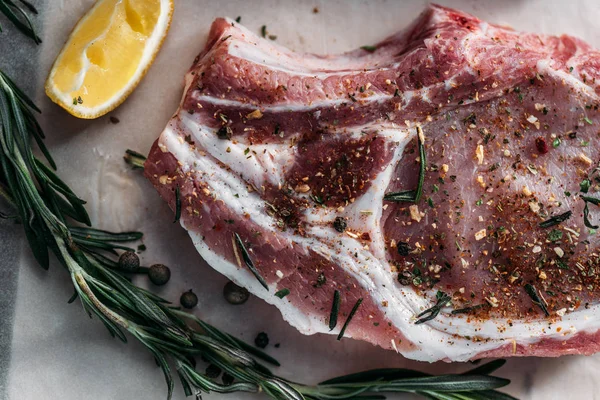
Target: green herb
point(263, 31)
point(585, 185)
point(467, 310)
point(316, 198)
point(413, 196)
point(135, 159)
point(585, 143)
point(555, 235)
point(430, 202)
point(556, 143)
point(282, 293)
point(370, 49)
point(397, 93)
point(555, 220)
point(570, 69)
point(248, 261)
point(238, 19)
point(435, 188)
point(352, 97)
point(74, 101)
point(335, 310)
point(177, 205)
point(442, 301)
point(589, 121)
point(247, 151)
point(225, 38)
point(350, 316)
point(586, 211)
point(535, 297)
point(48, 210)
point(20, 18)
point(561, 264)
point(479, 202)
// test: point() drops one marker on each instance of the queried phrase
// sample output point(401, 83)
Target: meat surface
point(444, 181)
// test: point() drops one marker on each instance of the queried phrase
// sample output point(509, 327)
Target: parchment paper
point(58, 353)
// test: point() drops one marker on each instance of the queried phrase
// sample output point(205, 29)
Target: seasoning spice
point(159, 274)
point(262, 340)
point(188, 299)
point(235, 294)
point(129, 261)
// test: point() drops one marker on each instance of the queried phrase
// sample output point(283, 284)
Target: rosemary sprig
point(413, 196)
point(50, 212)
point(19, 17)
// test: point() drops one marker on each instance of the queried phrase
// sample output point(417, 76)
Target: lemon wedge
point(107, 54)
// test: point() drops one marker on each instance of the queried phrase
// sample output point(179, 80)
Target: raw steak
point(492, 253)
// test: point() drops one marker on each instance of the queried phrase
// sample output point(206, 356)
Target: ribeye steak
point(447, 177)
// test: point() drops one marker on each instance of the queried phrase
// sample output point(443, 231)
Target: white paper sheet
point(58, 353)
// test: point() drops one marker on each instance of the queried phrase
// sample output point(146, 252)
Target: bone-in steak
point(440, 177)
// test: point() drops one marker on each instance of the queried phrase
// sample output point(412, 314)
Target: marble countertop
point(50, 350)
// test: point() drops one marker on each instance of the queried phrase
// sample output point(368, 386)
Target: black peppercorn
point(159, 274)
point(235, 294)
point(261, 340)
point(224, 133)
point(188, 299)
point(129, 261)
point(339, 224)
point(403, 249)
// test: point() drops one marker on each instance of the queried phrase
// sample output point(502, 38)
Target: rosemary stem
point(78, 276)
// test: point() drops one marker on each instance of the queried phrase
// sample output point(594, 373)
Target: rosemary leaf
point(177, 205)
point(19, 18)
point(135, 159)
point(413, 196)
point(535, 297)
point(248, 261)
point(335, 310)
point(555, 220)
point(350, 316)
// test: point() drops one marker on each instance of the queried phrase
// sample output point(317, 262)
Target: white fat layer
point(278, 58)
point(368, 265)
point(405, 96)
point(286, 107)
point(254, 163)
